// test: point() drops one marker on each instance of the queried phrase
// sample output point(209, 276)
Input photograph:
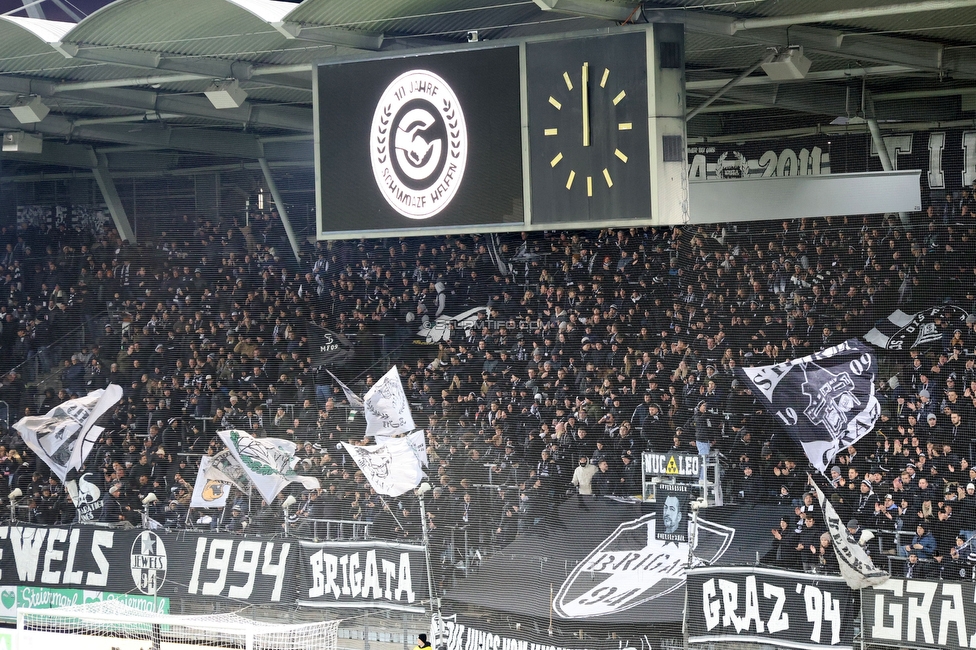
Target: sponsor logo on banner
point(794, 610)
point(368, 574)
point(686, 465)
point(148, 562)
point(14, 598)
point(418, 144)
point(632, 566)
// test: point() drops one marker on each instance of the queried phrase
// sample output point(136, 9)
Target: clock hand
point(586, 104)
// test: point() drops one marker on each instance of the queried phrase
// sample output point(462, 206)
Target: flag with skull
point(826, 401)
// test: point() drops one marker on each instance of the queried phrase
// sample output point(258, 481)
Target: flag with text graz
point(328, 348)
point(901, 331)
point(826, 401)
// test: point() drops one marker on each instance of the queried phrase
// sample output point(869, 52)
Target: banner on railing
point(920, 614)
point(149, 563)
point(387, 575)
point(769, 606)
point(14, 598)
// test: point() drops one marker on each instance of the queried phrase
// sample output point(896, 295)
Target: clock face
point(588, 129)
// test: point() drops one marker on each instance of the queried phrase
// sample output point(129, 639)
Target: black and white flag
point(901, 331)
point(825, 401)
point(855, 564)
point(64, 436)
point(328, 348)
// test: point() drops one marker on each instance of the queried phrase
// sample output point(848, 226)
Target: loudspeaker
point(20, 142)
point(788, 66)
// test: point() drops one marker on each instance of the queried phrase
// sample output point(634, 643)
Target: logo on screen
point(419, 144)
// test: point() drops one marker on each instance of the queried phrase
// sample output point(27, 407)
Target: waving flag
point(391, 467)
point(64, 436)
point(386, 406)
point(901, 331)
point(268, 462)
point(327, 347)
point(208, 492)
point(224, 467)
point(825, 400)
point(351, 397)
point(855, 564)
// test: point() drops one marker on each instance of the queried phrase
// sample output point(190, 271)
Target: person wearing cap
point(111, 506)
point(965, 508)
point(867, 501)
point(422, 643)
point(923, 544)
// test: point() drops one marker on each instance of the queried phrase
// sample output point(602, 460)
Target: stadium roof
point(130, 74)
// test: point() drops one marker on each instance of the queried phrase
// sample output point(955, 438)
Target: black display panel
point(431, 141)
point(588, 134)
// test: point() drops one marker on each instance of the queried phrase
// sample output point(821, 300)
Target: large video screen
point(420, 142)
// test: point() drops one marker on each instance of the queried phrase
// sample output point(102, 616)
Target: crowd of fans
point(585, 349)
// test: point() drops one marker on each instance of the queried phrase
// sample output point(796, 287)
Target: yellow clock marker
point(589, 186)
point(551, 131)
point(555, 161)
point(555, 102)
point(620, 154)
point(625, 126)
point(619, 97)
point(569, 82)
point(572, 177)
point(603, 81)
point(606, 175)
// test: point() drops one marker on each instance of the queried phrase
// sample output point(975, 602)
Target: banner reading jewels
point(769, 606)
point(920, 614)
point(149, 563)
point(386, 575)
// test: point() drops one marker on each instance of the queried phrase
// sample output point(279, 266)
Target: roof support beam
point(855, 13)
point(282, 208)
point(617, 10)
point(825, 75)
point(330, 35)
point(884, 50)
point(107, 185)
point(59, 153)
point(284, 117)
point(206, 68)
point(217, 143)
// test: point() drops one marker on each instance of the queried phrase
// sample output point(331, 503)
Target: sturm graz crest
point(631, 567)
point(831, 398)
point(418, 144)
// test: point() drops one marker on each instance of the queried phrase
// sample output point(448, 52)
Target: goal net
point(110, 625)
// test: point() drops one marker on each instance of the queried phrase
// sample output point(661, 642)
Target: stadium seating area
point(589, 348)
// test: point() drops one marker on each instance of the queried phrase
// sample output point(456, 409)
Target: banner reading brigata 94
point(825, 401)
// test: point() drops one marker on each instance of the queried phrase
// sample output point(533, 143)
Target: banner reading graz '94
point(387, 575)
point(152, 563)
point(769, 606)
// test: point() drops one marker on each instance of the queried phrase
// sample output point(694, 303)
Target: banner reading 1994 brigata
point(376, 573)
point(769, 606)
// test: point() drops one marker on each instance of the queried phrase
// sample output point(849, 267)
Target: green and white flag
point(268, 462)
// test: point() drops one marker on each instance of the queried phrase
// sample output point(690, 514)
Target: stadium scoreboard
point(584, 130)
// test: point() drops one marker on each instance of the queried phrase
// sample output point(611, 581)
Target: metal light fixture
point(788, 65)
point(226, 94)
point(29, 110)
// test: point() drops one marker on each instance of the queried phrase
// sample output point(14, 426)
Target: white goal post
point(110, 625)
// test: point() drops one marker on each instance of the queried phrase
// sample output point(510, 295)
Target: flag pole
point(435, 602)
